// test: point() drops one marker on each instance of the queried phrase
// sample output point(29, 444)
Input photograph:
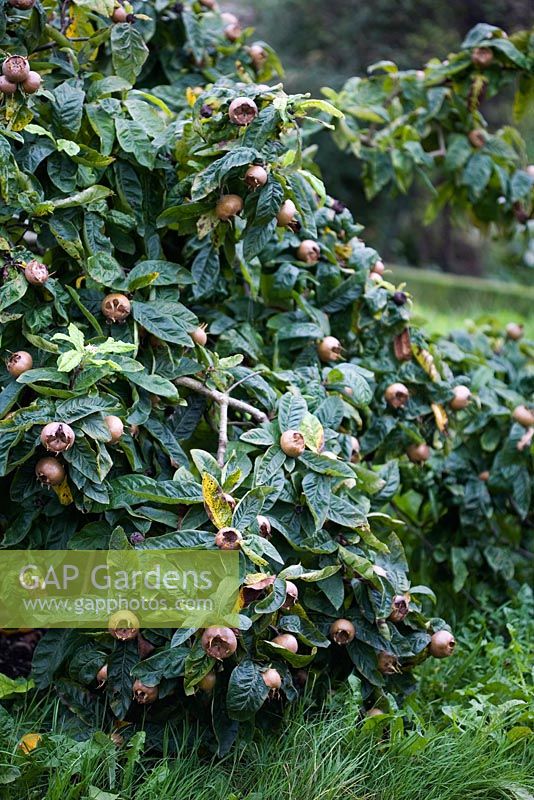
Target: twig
point(223, 432)
point(222, 397)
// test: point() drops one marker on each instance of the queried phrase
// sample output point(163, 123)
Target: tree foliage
point(175, 298)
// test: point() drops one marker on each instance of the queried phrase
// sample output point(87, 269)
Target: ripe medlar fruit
point(342, 631)
point(22, 5)
point(292, 596)
point(32, 83)
point(418, 453)
point(199, 336)
point(115, 426)
point(7, 87)
point(207, 684)
point(378, 267)
point(16, 68)
point(399, 608)
point(272, 679)
point(288, 641)
point(265, 526)
point(50, 472)
point(482, 57)
point(102, 676)
point(242, 111)
point(228, 207)
point(36, 273)
point(514, 331)
point(397, 395)
point(219, 643)
point(57, 437)
point(388, 664)
point(477, 138)
point(462, 396)
point(287, 213)
point(258, 55)
point(442, 644)
point(329, 349)
point(292, 443)
point(144, 694)
point(116, 307)
point(18, 363)
point(309, 252)
point(228, 539)
point(524, 416)
point(123, 626)
point(256, 176)
point(119, 14)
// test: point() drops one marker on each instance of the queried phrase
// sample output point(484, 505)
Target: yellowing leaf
point(217, 507)
point(313, 432)
point(29, 742)
point(440, 415)
point(64, 493)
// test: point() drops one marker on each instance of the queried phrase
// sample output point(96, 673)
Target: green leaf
point(247, 691)
point(169, 321)
point(128, 51)
point(291, 411)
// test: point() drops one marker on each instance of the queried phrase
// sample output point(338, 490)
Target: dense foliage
point(211, 335)
point(428, 124)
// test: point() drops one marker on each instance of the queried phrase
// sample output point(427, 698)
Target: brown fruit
point(292, 596)
point(287, 213)
point(219, 643)
point(208, 3)
point(399, 608)
point(199, 336)
point(36, 273)
point(258, 55)
point(115, 426)
point(442, 644)
point(375, 277)
point(229, 19)
point(32, 83)
point(524, 416)
point(530, 170)
point(57, 437)
point(514, 331)
point(228, 539)
point(355, 445)
point(397, 395)
point(265, 526)
point(272, 679)
point(22, 5)
point(484, 476)
point(123, 626)
point(228, 207)
point(207, 684)
point(477, 138)
point(378, 267)
point(18, 363)
point(309, 252)
point(16, 68)
point(329, 349)
point(418, 453)
point(342, 631)
point(288, 641)
point(482, 57)
point(119, 14)
point(256, 176)
point(7, 87)
point(50, 472)
point(388, 664)
point(233, 32)
point(144, 647)
point(232, 502)
point(242, 111)
point(102, 676)
point(144, 694)
point(292, 443)
point(461, 398)
point(116, 307)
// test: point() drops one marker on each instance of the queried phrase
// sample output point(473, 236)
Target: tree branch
point(222, 398)
point(223, 432)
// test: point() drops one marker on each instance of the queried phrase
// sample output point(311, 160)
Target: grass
point(466, 736)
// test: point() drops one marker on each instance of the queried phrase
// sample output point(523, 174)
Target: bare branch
point(223, 433)
point(222, 397)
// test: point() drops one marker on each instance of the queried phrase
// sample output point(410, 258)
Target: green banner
point(118, 588)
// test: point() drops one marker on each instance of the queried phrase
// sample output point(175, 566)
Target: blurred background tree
point(325, 43)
